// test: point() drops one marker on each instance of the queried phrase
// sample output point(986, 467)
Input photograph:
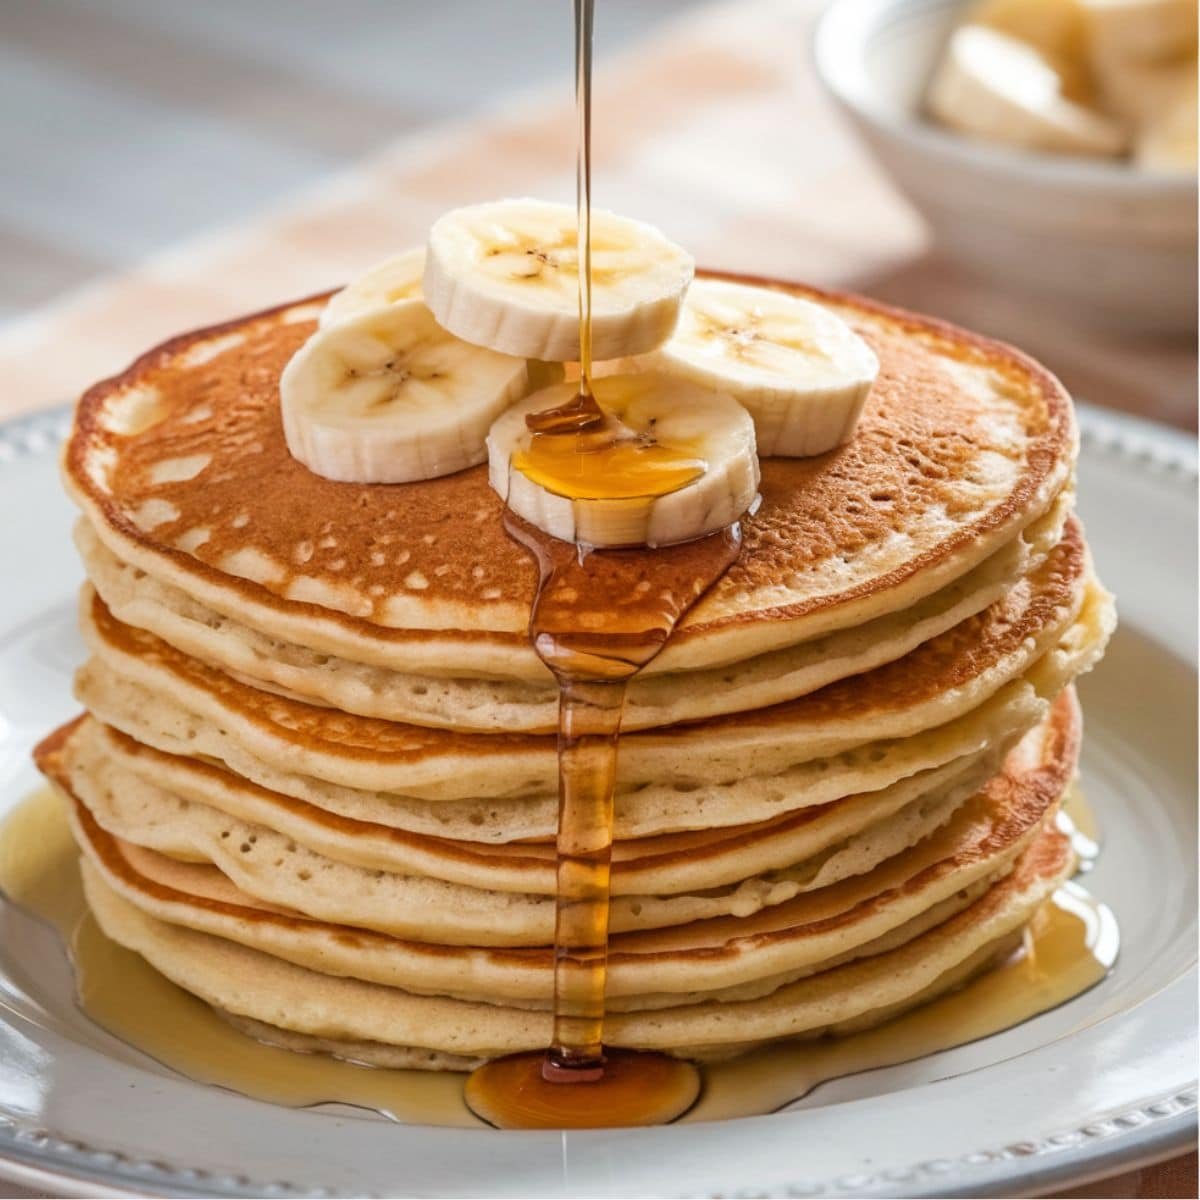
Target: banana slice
point(1167, 140)
point(992, 86)
point(800, 371)
point(389, 396)
point(505, 275)
point(672, 462)
point(1056, 28)
point(396, 278)
point(1141, 93)
point(1140, 30)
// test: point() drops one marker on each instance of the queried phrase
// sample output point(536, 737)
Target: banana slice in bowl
point(389, 396)
point(389, 282)
point(1147, 31)
point(997, 88)
point(671, 461)
point(506, 275)
point(800, 371)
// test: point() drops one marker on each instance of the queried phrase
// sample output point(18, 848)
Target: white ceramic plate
point(1099, 1085)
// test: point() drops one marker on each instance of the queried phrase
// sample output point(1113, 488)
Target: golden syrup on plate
point(1070, 946)
point(123, 994)
point(629, 1089)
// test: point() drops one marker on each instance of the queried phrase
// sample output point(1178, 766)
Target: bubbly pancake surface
point(181, 465)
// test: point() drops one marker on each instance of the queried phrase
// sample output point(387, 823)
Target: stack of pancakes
point(316, 781)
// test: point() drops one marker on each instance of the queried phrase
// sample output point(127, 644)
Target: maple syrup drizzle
point(584, 14)
point(599, 617)
point(608, 461)
point(1071, 944)
point(582, 414)
point(579, 449)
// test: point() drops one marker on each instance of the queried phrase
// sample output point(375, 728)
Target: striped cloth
point(713, 128)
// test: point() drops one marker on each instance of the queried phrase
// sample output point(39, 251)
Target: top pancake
point(181, 465)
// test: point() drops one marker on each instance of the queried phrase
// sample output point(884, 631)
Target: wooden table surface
point(170, 164)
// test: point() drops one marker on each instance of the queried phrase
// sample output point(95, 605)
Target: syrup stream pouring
point(636, 600)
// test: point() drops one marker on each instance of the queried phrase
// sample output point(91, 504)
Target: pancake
point(383, 1055)
point(711, 960)
point(714, 956)
point(180, 465)
point(274, 868)
point(649, 811)
point(136, 599)
point(267, 989)
point(175, 805)
point(939, 681)
point(654, 808)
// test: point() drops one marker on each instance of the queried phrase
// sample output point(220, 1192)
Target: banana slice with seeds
point(395, 279)
point(672, 461)
point(391, 397)
point(800, 371)
point(506, 275)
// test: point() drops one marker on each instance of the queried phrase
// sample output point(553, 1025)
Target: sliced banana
point(1056, 28)
point(992, 86)
point(1140, 30)
point(505, 275)
point(1166, 140)
point(1141, 93)
point(674, 462)
point(1159, 101)
point(800, 371)
point(389, 397)
point(396, 278)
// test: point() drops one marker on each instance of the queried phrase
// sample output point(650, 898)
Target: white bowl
point(1114, 243)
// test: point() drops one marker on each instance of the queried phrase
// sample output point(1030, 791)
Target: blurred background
point(131, 124)
point(170, 163)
